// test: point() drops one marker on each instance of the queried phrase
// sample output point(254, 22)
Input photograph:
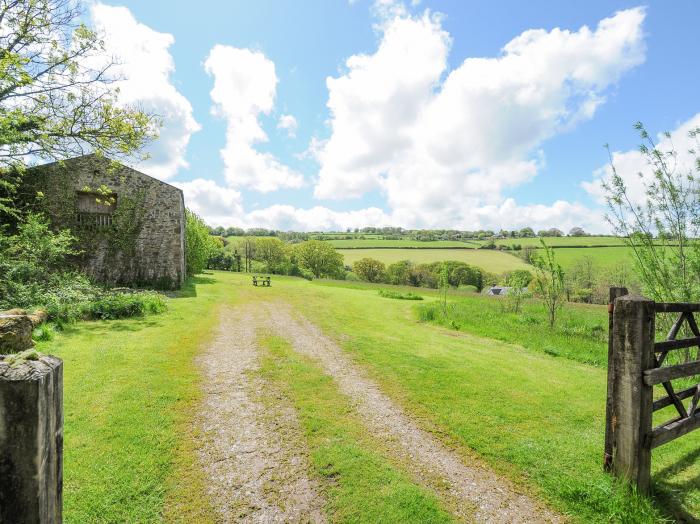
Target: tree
point(199, 244)
point(57, 93)
point(443, 287)
point(662, 232)
point(369, 269)
point(399, 273)
point(526, 232)
point(270, 251)
point(517, 282)
point(581, 280)
point(549, 281)
point(320, 258)
point(577, 232)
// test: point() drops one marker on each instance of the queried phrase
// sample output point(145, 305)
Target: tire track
point(252, 453)
point(474, 489)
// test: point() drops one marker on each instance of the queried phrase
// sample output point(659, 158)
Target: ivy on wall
point(59, 200)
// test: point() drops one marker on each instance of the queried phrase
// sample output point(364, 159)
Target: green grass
point(560, 241)
point(534, 417)
point(489, 260)
point(357, 243)
point(390, 293)
point(581, 332)
point(361, 485)
point(603, 257)
point(129, 390)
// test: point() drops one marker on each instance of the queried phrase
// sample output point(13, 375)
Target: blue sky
point(507, 159)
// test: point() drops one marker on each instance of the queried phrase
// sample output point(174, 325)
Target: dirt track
point(259, 474)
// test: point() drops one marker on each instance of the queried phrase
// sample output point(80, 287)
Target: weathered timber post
point(633, 353)
point(615, 292)
point(31, 441)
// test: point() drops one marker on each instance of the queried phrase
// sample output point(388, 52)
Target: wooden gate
point(635, 371)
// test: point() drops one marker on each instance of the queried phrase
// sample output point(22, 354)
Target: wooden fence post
point(615, 292)
point(633, 353)
point(31, 441)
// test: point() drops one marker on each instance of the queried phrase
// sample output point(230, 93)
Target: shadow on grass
point(671, 492)
point(189, 289)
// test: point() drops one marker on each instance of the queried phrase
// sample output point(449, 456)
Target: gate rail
point(635, 368)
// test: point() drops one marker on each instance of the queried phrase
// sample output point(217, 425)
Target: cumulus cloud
point(145, 65)
point(629, 164)
point(443, 148)
point(221, 206)
point(317, 218)
point(245, 85)
point(289, 124)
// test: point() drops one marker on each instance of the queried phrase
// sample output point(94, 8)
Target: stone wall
point(130, 226)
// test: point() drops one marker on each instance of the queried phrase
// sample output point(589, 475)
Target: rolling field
point(489, 260)
point(561, 241)
point(410, 244)
point(603, 257)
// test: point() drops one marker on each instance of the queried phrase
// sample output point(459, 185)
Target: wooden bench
point(263, 281)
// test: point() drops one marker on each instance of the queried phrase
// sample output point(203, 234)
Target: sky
point(336, 114)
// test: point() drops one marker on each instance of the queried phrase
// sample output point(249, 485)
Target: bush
point(369, 269)
point(199, 244)
point(125, 305)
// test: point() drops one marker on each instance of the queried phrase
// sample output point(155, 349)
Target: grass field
point(561, 241)
point(603, 257)
point(409, 244)
point(502, 388)
point(489, 260)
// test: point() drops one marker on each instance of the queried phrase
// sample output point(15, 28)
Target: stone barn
point(130, 226)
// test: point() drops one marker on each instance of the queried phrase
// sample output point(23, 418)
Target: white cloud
point(630, 163)
point(146, 65)
point(315, 219)
point(289, 124)
point(216, 204)
point(245, 85)
point(443, 150)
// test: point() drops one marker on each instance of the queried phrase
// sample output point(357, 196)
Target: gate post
point(31, 441)
point(615, 292)
point(633, 353)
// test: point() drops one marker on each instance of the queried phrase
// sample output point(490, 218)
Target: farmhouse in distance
point(130, 226)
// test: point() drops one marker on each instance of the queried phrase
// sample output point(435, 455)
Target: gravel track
point(475, 491)
point(252, 452)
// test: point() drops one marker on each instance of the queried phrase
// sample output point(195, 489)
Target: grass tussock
point(580, 333)
point(388, 293)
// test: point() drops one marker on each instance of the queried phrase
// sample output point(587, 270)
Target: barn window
point(95, 209)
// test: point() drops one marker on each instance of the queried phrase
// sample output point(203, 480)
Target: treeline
point(266, 254)
point(397, 233)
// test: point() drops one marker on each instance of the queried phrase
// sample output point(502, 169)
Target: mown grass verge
point(130, 388)
point(359, 483)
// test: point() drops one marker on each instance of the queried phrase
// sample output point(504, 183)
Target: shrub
point(369, 269)
point(125, 305)
point(44, 333)
point(199, 244)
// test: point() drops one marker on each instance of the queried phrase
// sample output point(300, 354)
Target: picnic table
point(263, 281)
